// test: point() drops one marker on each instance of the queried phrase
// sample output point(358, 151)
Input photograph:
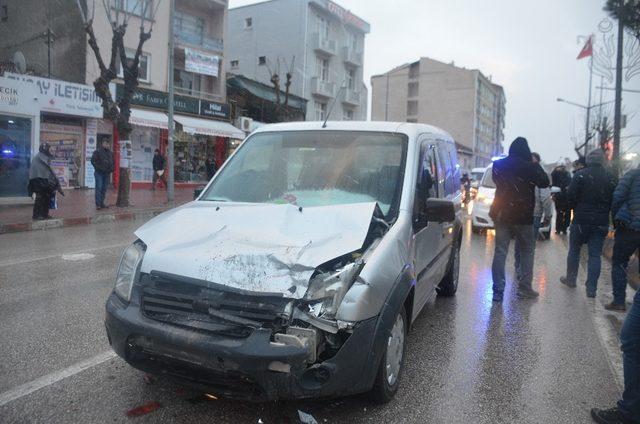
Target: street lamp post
point(588, 109)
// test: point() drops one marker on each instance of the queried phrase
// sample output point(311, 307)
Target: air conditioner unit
point(245, 123)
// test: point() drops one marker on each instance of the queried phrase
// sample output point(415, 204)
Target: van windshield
point(314, 168)
point(487, 180)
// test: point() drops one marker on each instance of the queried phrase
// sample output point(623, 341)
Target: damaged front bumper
point(254, 367)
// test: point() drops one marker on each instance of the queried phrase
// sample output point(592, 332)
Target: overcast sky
point(529, 47)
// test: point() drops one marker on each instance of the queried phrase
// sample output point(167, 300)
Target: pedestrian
point(628, 408)
point(102, 161)
point(210, 166)
point(561, 178)
point(541, 209)
point(43, 182)
point(625, 210)
point(465, 181)
point(158, 170)
point(589, 195)
point(515, 177)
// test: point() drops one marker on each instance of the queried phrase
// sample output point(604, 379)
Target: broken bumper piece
point(252, 367)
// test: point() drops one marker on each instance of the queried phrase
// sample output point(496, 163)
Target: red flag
point(587, 50)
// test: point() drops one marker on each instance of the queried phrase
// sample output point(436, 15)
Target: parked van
point(300, 268)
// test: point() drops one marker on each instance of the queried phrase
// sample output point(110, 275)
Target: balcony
point(323, 45)
point(193, 39)
point(322, 88)
point(352, 57)
point(351, 97)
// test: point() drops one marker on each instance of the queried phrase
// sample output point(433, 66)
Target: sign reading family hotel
point(62, 97)
point(181, 104)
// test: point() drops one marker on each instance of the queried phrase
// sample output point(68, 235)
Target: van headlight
point(128, 269)
point(326, 290)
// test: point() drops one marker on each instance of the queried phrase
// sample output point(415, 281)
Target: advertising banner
point(125, 154)
point(90, 147)
point(201, 63)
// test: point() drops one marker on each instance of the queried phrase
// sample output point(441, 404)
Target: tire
point(386, 384)
point(449, 284)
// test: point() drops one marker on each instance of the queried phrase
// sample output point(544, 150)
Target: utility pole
point(617, 119)
point(586, 129)
point(170, 147)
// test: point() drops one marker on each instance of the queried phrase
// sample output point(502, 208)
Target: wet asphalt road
point(468, 360)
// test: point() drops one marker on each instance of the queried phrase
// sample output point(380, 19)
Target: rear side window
point(450, 173)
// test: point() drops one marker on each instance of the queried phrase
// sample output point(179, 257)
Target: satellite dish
point(20, 62)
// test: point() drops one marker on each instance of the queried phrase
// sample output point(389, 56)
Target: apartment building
point(319, 41)
point(462, 101)
point(50, 36)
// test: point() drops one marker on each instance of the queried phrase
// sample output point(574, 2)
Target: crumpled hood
point(264, 248)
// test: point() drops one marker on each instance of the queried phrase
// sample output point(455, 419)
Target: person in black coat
point(43, 182)
point(516, 177)
point(210, 166)
point(103, 165)
point(589, 195)
point(561, 178)
point(158, 169)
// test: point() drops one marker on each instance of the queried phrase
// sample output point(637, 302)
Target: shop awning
point(209, 127)
point(148, 118)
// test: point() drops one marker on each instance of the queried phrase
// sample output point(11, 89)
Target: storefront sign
point(181, 104)
point(201, 63)
point(160, 100)
point(214, 110)
point(17, 97)
point(90, 147)
point(62, 97)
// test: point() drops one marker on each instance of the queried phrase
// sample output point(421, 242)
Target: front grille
point(187, 304)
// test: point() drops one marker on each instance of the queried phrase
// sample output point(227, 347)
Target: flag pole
point(586, 129)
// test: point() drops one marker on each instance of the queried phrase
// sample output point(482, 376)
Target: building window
point(414, 70)
point(235, 64)
point(262, 60)
point(351, 79)
point(322, 68)
point(323, 28)
point(321, 110)
point(412, 107)
point(4, 13)
point(353, 41)
point(187, 82)
point(135, 7)
point(143, 67)
point(413, 89)
point(248, 23)
point(348, 115)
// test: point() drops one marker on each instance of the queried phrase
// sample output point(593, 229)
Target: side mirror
point(440, 210)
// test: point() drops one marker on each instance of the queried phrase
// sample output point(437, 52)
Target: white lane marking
point(49, 379)
point(78, 257)
point(42, 258)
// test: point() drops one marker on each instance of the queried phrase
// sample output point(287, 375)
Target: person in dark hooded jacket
point(516, 177)
point(561, 178)
point(589, 195)
point(43, 182)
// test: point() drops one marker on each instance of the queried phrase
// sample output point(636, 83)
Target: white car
point(484, 198)
point(480, 218)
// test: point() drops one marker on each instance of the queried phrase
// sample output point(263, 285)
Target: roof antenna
point(342, 87)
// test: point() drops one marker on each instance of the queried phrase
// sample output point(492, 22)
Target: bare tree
point(119, 111)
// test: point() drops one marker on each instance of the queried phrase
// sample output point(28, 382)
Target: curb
point(72, 222)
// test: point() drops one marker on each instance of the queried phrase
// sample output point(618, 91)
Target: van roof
point(410, 129)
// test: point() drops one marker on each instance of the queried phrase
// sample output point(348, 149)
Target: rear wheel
point(449, 284)
point(391, 365)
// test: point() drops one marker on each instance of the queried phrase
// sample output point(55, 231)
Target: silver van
point(299, 269)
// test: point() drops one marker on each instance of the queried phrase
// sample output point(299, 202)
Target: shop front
point(35, 110)
point(202, 132)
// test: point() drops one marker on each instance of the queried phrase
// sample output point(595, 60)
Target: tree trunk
point(124, 182)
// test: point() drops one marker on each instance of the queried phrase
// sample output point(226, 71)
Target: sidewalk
point(78, 207)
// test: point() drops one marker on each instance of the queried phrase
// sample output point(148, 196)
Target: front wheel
point(449, 284)
point(391, 365)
